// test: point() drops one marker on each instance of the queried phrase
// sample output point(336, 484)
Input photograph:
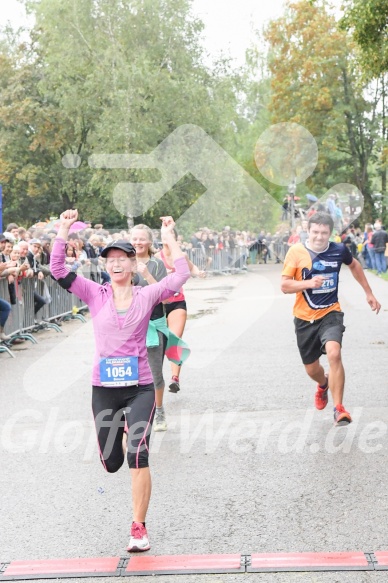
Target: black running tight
point(112, 406)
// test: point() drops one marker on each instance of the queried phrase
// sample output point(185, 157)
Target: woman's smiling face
point(141, 241)
point(119, 266)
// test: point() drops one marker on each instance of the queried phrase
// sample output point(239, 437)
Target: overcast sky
point(229, 25)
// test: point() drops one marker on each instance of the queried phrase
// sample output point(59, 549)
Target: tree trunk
point(360, 152)
point(66, 201)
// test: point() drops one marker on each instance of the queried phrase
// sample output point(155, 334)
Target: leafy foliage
point(315, 82)
point(368, 21)
point(113, 77)
point(103, 77)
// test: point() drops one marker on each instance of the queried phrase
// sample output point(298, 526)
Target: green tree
point(107, 77)
point(367, 20)
point(316, 83)
point(103, 77)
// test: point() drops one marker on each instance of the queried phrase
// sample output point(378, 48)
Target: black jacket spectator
point(379, 240)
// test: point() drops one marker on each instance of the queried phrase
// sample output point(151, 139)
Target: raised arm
point(168, 238)
point(176, 252)
point(194, 270)
point(67, 219)
point(80, 286)
point(57, 259)
point(174, 281)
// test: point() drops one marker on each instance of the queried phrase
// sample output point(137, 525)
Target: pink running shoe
point(138, 541)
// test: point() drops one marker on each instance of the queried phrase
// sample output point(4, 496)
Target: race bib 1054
point(119, 371)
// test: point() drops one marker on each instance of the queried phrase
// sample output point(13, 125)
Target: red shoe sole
point(343, 421)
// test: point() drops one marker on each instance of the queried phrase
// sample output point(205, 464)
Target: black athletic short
point(312, 336)
point(175, 306)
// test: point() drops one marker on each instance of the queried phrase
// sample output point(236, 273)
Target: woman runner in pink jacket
point(122, 382)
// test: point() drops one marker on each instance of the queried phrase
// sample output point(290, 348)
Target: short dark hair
point(320, 218)
point(11, 226)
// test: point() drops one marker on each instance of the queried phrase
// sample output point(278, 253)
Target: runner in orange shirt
point(311, 272)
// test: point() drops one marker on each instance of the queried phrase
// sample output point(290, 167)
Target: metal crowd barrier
point(227, 261)
point(220, 261)
point(23, 322)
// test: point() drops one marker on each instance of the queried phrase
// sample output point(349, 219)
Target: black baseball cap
point(121, 244)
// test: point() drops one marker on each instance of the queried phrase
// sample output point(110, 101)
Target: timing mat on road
point(192, 564)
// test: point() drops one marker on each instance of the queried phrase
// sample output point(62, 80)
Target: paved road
point(247, 464)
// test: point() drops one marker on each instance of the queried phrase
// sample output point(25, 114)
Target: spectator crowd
point(25, 253)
